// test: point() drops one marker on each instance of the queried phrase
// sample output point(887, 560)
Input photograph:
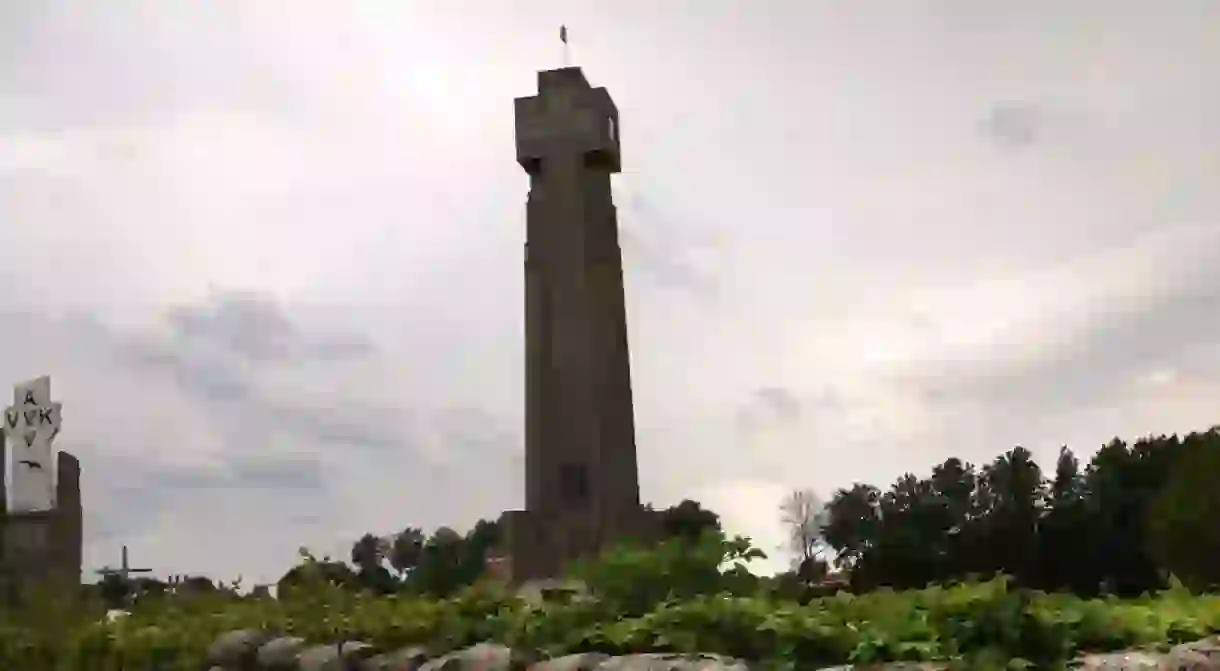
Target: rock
point(1130, 660)
point(587, 661)
point(407, 659)
point(237, 649)
point(479, 657)
point(280, 654)
point(334, 657)
point(1201, 655)
point(664, 661)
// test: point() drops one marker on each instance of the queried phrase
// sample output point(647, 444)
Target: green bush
point(634, 579)
point(692, 598)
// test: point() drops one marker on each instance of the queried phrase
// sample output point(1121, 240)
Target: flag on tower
point(563, 34)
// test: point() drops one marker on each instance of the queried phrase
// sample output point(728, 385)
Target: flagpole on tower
point(563, 37)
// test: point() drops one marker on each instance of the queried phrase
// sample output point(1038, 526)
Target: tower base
point(538, 547)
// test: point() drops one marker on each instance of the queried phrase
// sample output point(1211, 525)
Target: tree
point(406, 549)
point(114, 591)
point(368, 552)
point(1122, 482)
point(688, 521)
point(310, 570)
point(1184, 520)
point(852, 523)
point(440, 568)
point(634, 578)
point(196, 584)
point(478, 542)
point(1065, 536)
point(1014, 487)
point(803, 514)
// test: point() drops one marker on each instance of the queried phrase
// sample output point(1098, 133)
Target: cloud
point(832, 273)
point(770, 406)
point(255, 328)
point(1013, 125)
point(663, 253)
point(197, 432)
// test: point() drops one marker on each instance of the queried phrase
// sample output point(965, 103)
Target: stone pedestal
point(540, 548)
point(43, 549)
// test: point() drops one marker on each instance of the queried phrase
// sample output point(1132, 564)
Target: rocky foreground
point(249, 649)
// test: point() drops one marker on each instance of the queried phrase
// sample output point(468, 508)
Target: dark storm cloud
point(346, 422)
point(779, 403)
point(769, 407)
point(475, 432)
point(256, 328)
point(1012, 124)
point(1097, 365)
point(662, 251)
point(127, 495)
point(216, 353)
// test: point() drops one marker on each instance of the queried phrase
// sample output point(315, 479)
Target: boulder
point(406, 659)
point(280, 653)
point(237, 649)
point(479, 657)
point(334, 656)
point(664, 661)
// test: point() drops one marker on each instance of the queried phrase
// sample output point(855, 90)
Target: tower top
point(562, 78)
point(567, 117)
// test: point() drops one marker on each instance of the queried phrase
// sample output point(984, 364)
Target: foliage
point(443, 563)
point(803, 515)
point(1113, 526)
point(965, 622)
point(406, 549)
point(1109, 527)
point(633, 579)
point(688, 520)
point(1184, 521)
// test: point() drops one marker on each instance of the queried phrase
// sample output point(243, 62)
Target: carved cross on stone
point(566, 117)
point(556, 115)
point(31, 425)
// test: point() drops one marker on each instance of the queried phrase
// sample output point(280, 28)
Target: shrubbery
point(692, 597)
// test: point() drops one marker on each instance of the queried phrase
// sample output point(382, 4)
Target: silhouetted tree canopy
point(1117, 525)
point(1184, 523)
point(688, 520)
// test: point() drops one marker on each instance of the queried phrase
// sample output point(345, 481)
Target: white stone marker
point(30, 426)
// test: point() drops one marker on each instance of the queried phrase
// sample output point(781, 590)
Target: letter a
point(29, 397)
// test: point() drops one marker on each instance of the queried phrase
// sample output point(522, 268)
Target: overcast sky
point(271, 252)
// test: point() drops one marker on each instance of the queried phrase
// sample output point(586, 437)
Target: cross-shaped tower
point(581, 479)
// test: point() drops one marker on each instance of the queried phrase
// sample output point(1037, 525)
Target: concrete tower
point(581, 479)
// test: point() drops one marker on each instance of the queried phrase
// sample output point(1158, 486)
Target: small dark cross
point(124, 572)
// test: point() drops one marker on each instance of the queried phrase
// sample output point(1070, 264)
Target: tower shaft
point(582, 483)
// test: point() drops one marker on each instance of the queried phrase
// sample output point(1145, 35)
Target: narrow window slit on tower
point(574, 483)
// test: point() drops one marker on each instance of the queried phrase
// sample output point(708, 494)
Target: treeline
point(1119, 524)
point(441, 563)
